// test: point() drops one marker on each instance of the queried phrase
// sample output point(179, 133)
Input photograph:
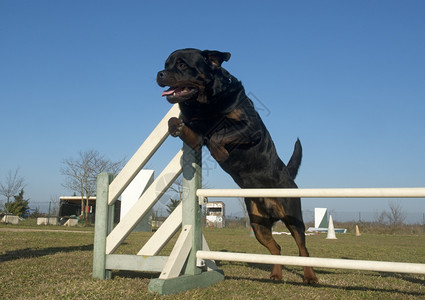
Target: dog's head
point(193, 74)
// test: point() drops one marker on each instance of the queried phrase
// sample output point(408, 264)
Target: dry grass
point(58, 265)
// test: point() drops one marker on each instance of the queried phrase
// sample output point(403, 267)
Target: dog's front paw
point(175, 126)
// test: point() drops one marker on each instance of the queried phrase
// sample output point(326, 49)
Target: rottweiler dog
point(216, 112)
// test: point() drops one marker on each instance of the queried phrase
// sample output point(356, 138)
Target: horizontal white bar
point(380, 266)
point(135, 262)
point(316, 193)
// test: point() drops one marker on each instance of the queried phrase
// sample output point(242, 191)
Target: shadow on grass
point(337, 287)
point(265, 267)
point(135, 274)
point(321, 285)
point(152, 275)
point(404, 277)
point(32, 253)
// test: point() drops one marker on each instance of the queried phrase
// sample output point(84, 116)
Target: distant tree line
point(81, 176)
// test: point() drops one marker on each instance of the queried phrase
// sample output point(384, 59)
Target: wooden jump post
point(180, 270)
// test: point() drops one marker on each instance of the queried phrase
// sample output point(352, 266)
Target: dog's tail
point(295, 161)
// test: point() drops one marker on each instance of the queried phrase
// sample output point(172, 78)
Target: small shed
point(71, 206)
point(215, 214)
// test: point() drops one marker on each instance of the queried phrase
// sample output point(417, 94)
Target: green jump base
point(185, 282)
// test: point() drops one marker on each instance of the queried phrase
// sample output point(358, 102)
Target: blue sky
point(346, 77)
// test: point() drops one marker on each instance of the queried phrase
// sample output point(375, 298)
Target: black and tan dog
point(216, 112)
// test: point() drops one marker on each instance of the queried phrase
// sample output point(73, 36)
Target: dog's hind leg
point(262, 226)
point(264, 236)
point(296, 227)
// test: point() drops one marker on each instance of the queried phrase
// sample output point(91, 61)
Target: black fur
point(216, 112)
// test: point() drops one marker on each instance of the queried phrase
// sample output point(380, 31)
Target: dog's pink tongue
point(167, 92)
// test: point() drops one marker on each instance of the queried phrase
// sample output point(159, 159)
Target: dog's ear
point(216, 58)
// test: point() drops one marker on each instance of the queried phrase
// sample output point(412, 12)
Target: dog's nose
point(161, 75)
point(160, 78)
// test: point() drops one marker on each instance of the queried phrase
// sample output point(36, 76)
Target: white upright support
point(191, 215)
point(103, 226)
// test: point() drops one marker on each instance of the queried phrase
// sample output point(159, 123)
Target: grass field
point(57, 264)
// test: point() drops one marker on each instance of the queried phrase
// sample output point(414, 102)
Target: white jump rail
point(316, 193)
point(382, 266)
point(366, 265)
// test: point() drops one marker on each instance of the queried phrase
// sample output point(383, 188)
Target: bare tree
point(380, 217)
point(395, 216)
point(12, 184)
point(81, 173)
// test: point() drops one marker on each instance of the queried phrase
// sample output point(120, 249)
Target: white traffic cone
point(357, 231)
point(331, 229)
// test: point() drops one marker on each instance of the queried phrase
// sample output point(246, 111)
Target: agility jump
point(200, 270)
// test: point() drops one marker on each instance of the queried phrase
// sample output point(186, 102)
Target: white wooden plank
point(164, 233)
point(135, 262)
point(144, 204)
point(142, 156)
point(178, 255)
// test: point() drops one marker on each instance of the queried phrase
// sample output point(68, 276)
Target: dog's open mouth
point(175, 95)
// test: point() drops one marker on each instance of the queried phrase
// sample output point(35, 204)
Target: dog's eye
point(182, 66)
